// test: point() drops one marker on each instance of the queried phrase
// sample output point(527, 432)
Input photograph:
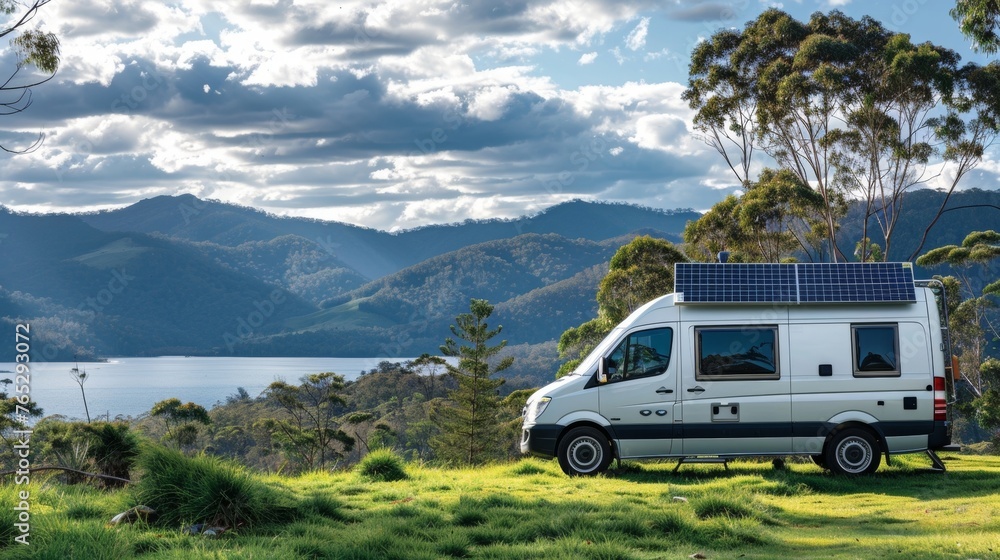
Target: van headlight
point(538, 407)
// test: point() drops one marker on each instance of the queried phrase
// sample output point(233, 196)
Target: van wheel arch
point(597, 430)
point(853, 438)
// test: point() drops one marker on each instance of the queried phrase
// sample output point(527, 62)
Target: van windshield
point(589, 364)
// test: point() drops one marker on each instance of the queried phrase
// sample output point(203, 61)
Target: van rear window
point(876, 350)
point(737, 353)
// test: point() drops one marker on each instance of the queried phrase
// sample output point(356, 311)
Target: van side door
point(638, 397)
point(735, 390)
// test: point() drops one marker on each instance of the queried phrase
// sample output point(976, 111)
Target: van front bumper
point(540, 440)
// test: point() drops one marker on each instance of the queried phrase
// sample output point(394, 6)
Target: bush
point(382, 465)
point(114, 449)
point(204, 490)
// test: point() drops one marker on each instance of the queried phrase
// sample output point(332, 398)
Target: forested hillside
point(207, 278)
point(200, 275)
point(370, 252)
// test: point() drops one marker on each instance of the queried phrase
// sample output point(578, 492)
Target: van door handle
point(696, 389)
point(664, 390)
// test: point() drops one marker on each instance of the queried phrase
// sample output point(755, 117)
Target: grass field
point(529, 509)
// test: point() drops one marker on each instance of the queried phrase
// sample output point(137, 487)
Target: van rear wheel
point(819, 460)
point(853, 451)
point(584, 451)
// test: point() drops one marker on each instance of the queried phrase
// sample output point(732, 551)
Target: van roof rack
point(794, 283)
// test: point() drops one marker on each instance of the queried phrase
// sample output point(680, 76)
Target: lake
point(130, 386)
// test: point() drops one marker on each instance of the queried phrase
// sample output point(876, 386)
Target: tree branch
point(67, 469)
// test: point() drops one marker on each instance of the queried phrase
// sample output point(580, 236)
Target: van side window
point(641, 354)
point(725, 353)
point(876, 350)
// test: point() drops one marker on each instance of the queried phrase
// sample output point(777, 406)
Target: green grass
point(382, 465)
point(114, 254)
point(529, 509)
point(346, 315)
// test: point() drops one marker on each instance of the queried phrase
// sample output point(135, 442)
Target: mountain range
point(179, 275)
point(183, 276)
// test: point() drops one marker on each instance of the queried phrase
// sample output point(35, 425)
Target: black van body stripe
point(543, 437)
point(759, 430)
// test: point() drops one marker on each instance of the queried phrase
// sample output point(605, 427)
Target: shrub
point(721, 507)
point(114, 449)
point(382, 465)
point(204, 490)
point(529, 467)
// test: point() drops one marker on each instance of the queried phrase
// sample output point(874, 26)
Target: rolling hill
point(178, 275)
point(93, 292)
point(372, 253)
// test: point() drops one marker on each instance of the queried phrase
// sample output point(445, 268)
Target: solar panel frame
point(794, 283)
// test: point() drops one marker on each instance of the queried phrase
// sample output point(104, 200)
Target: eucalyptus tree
point(33, 49)
point(309, 429)
point(776, 216)
point(978, 20)
point(639, 271)
point(972, 316)
point(181, 420)
point(847, 106)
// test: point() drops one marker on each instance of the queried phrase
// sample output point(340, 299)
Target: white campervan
point(841, 362)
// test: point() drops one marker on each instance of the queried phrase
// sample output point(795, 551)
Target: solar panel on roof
point(794, 283)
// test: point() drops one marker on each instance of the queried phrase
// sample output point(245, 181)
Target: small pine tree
point(471, 424)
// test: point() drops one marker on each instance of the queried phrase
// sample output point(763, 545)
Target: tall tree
point(970, 319)
point(969, 126)
point(80, 377)
point(309, 431)
point(845, 105)
point(978, 20)
point(776, 216)
point(471, 423)
point(640, 271)
point(33, 49)
point(181, 420)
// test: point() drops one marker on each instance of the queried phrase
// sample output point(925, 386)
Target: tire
point(819, 460)
point(853, 451)
point(584, 451)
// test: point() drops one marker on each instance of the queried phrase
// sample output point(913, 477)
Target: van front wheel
point(853, 451)
point(584, 451)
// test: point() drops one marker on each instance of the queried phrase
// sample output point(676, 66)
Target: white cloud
point(403, 113)
point(636, 39)
point(619, 57)
point(489, 103)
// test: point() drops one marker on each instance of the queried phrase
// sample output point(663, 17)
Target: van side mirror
point(602, 371)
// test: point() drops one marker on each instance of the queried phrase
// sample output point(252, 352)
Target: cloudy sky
point(387, 113)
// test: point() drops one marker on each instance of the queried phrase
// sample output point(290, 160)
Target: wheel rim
point(585, 454)
point(854, 454)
